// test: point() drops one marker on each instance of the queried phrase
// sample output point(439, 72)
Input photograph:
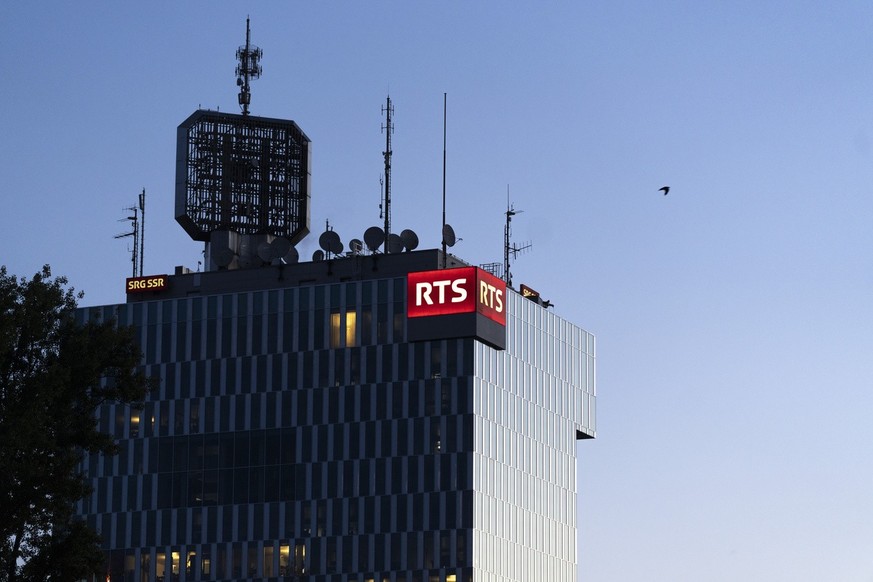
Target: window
point(189, 563)
point(300, 559)
point(343, 327)
point(268, 561)
point(206, 562)
point(175, 565)
point(284, 560)
point(144, 566)
point(134, 423)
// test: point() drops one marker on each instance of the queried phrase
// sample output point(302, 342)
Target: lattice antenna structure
point(388, 128)
point(134, 223)
point(248, 175)
point(510, 249)
point(249, 67)
point(445, 243)
point(381, 185)
point(141, 230)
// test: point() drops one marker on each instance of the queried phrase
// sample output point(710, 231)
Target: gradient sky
point(733, 316)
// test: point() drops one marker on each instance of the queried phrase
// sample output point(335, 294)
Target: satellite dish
point(223, 257)
point(318, 256)
point(395, 243)
point(330, 242)
point(374, 237)
point(291, 257)
point(336, 245)
point(356, 246)
point(410, 239)
point(280, 247)
point(449, 235)
point(265, 252)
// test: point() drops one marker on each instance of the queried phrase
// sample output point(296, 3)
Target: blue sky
point(733, 316)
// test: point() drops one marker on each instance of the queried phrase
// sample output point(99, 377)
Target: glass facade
point(297, 435)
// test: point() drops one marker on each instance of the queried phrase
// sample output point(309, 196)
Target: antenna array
point(510, 249)
point(388, 128)
point(137, 223)
point(249, 67)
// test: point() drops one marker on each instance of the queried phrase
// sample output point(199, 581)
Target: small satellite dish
point(280, 247)
point(330, 242)
point(395, 243)
point(374, 237)
point(324, 240)
point(223, 257)
point(291, 257)
point(449, 235)
point(265, 252)
point(336, 245)
point(318, 256)
point(356, 246)
point(410, 239)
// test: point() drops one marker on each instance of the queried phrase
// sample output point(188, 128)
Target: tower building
point(366, 416)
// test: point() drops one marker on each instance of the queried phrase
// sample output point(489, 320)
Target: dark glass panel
point(210, 487)
point(256, 484)
point(196, 452)
point(286, 486)
point(257, 447)
point(195, 489)
point(272, 483)
point(241, 485)
point(180, 490)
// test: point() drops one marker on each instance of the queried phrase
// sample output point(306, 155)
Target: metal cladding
point(244, 174)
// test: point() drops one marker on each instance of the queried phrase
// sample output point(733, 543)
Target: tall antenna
point(444, 180)
point(134, 220)
point(388, 128)
point(141, 230)
point(509, 248)
point(249, 67)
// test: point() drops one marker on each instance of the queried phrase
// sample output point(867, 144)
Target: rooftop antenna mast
point(444, 180)
point(249, 67)
point(510, 249)
point(388, 110)
point(134, 220)
point(141, 230)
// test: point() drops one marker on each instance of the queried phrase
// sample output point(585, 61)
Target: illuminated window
point(134, 423)
point(144, 566)
point(189, 563)
point(175, 564)
point(160, 565)
point(335, 327)
point(268, 561)
point(342, 329)
point(284, 560)
point(351, 321)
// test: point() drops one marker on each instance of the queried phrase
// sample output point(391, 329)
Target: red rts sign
point(449, 291)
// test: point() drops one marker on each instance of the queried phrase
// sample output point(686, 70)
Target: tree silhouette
point(54, 375)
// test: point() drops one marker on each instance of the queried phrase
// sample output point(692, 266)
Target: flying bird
point(665, 190)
